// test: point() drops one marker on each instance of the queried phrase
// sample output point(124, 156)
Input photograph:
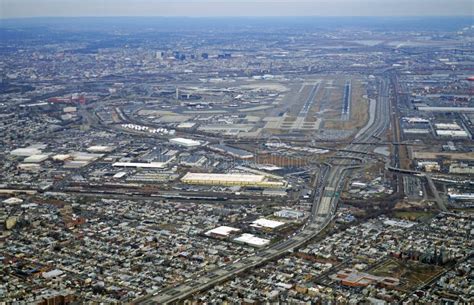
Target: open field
point(359, 109)
point(436, 155)
point(319, 102)
point(414, 215)
point(331, 106)
point(411, 274)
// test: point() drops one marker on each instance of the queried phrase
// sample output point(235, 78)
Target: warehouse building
point(185, 142)
point(193, 160)
point(448, 126)
point(452, 133)
point(465, 196)
point(461, 168)
point(61, 157)
point(232, 151)
point(222, 232)
point(229, 180)
point(36, 158)
point(266, 223)
point(252, 240)
point(31, 167)
point(290, 214)
point(416, 120)
point(28, 151)
point(140, 165)
point(423, 107)
point(100, 149)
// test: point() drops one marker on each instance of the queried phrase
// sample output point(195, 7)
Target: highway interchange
point(326, 196)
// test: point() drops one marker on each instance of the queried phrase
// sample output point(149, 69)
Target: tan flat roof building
point(229, 180)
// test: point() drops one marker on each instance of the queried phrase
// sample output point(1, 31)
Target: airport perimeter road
point(322, 212)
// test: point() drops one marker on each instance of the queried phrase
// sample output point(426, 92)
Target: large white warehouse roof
point(266, 223)
point(222, 231)
point(252, 240)
point(36, 158)
point(139, 165)
point(185, 142)
point(25, 152)
point(452, 133)
point(223, 177)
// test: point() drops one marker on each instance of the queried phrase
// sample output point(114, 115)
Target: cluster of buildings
point(258, 233)
point(351, 265)
point(437, 124)
point(108, 250)
point(131, 163)
point(371, 189)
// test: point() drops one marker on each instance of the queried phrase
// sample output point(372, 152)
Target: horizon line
point(240, 16)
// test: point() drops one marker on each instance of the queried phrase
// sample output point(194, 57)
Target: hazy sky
point(198, 8)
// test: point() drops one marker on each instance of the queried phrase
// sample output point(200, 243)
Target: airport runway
point(322, 213)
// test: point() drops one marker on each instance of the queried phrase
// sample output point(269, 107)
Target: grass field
point(414, 215)
point(411, 274)
point(326, 107)
point(359, 108)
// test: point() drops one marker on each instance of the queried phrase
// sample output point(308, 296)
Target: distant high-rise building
point(159, 55)
point(205, 55)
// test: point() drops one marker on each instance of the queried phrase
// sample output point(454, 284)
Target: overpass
point(322, 213)
point(439, 201)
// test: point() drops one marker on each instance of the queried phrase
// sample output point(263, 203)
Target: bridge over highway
point(322, 213)
point(439, 201)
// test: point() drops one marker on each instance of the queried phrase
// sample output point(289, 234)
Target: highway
point(323, 210)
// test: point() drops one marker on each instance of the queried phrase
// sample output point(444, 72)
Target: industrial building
point(416, 120)
point(140, 165)
point(445, 109)
point(222, 232)
point(100, 149)
point(82, 156)
point(75, 164)
point(28, 151)
point(186, 125)
point(275, 192)
point(290, 214)
point(252, 240)
point(461, 168)
point(416, 131)
point(429, 166)
point(448, 126)
point(36, 158)
point(461, 134)
point(31, 167)
point(465, 196)
point(61, 157)
point(232, 151)
point(119, 175)
point(229, 180)
point(185, 142)
point(193, 160)
point(266, 223)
